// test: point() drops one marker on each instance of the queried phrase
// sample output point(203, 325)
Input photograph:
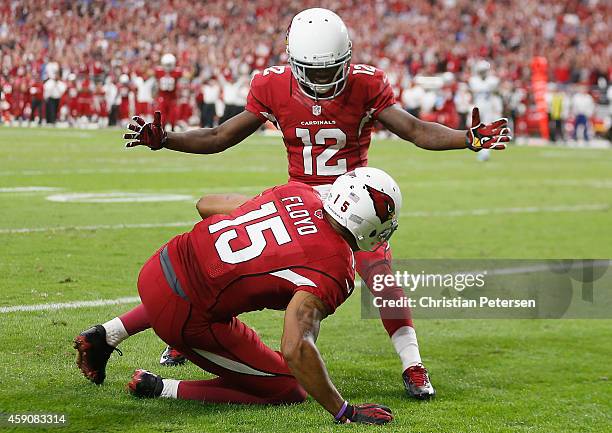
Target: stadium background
point(80, 214)
point(77, 62)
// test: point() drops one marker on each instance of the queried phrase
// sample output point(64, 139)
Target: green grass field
point(491, 375)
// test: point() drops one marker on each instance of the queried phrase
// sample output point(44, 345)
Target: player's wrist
point(164, 140)
point(344, 412)
point(470, 138)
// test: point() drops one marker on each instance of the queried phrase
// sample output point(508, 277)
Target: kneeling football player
point(285, 249)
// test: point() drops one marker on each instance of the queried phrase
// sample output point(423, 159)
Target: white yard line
point(586, 183)
point(466, 212)
point(28, 189)
point(66, 305)
point(133, 170)
point(98, 227)
point(545, 267)
point(511, 210)
point(133, 299)
point(118, 197)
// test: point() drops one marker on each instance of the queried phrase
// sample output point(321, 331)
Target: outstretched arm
point(217, 139)
point(302, 319)
point(203, 140)
point(434, 136)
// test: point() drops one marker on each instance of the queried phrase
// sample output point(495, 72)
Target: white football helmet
point(482, 67)
point(367, 202)
point(168, 61)
point(318, 40)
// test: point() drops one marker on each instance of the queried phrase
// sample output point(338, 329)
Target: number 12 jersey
point(324, 138)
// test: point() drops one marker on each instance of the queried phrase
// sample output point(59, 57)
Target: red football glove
point(367, 414)
point(491, 136)
point(153, 134)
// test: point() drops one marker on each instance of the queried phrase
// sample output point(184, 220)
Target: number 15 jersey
point(325, 138)
point(262, 253)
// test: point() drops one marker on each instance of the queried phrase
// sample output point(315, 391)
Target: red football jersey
point(167, 82)
point(325, 138)
point(262, 253)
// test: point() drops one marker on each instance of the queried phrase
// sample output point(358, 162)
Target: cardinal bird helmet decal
point(383, 204)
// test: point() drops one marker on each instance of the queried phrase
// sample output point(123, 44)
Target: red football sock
point(392, 318)
point(135, 320)
point(220, 391)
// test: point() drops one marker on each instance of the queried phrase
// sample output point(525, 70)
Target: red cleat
point(417, 384)
point(93, 353)
point(172, 357)
point(145, 384)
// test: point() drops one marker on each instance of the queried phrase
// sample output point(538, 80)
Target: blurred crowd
point(100, 61)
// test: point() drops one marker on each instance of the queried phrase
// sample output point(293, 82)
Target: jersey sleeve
point(332, 285)
point(258, 99)
point(381, 94)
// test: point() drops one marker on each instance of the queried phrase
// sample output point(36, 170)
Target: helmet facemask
point(303, 71)
point(372, 240)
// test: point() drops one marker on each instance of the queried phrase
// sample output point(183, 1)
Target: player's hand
point(152, 134)
point(368, 414)
point(490, 136)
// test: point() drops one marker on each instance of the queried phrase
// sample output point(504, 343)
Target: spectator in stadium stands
point(5, 104)
point(609, 99)
point(53, 90)
point(145, 85)
point(558, 107)
point(516, 105)
point(583, 108)
point(113, 99)
point(36, 92)
point(125, 98)
point(233, 95)
point(111, 37)
point(484, 87)
point(463, 103)
point(210, 94)
point(412, 98)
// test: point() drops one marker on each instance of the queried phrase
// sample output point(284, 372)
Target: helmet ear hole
point(373, 233)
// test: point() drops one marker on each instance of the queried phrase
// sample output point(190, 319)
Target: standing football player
point(483, 85)
point(325, 108)
point(285, 249)
point(167, 87)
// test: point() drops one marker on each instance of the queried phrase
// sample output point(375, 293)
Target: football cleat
point(93, 352)
point(145, 384)
point(172, 357)
point(417, 384)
